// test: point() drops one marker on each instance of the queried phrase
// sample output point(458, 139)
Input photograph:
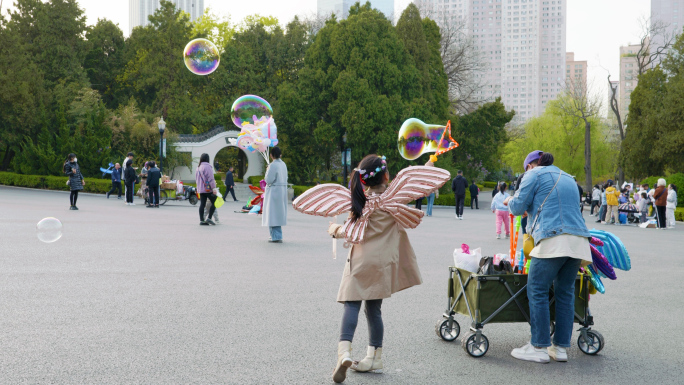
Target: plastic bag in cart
point(469, 261)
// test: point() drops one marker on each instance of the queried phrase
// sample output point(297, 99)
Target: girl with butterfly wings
point(381, 261)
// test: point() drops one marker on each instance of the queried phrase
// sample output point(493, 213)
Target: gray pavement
point(132, 295)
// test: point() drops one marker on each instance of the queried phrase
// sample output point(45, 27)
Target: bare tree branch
point(650, 50)
point(464, 65)
point(577, 103)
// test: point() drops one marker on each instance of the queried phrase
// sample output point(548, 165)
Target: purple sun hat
point(531, 157)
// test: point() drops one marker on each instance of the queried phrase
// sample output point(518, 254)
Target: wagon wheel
point(163, 197)
point(445, 332)
point(592, 343)
point(193, 199)
point(474, 344)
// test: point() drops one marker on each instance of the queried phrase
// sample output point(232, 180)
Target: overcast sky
point(596, 28)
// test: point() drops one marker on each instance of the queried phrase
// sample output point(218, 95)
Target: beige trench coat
point(383, 264)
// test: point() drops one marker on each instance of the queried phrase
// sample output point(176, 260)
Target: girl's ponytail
point(371, 172)
point(358, 196)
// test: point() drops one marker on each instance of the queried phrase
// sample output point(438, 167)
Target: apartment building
point(140, 10)
point(523, 44)
point(575, 71)
point(629, 71)
point(671, 12)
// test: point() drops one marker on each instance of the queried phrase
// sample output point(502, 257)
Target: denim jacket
point(561, 213)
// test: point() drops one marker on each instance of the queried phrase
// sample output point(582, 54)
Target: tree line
point(68, 87)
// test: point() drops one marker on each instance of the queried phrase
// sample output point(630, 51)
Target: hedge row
point(679, 214)
point(93, 185)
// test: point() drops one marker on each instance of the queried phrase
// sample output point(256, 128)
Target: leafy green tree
point(643, 129)
point(358, 82)
point(23, 94)
point(422, 40)
point(481, 136)
point(214, 28)
point(563, 136)
point(104, 59)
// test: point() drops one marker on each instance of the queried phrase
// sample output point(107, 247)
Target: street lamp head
point(161, 125)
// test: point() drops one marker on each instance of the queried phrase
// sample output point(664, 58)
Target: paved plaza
point(131, 295)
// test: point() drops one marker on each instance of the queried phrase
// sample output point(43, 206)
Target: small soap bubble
point(49, 230)
point(247, 108)
point(201, 57)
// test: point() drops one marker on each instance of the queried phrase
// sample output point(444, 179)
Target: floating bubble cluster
point(49, 230)
point(201, 57)
point(250, 109)
point(417, 138)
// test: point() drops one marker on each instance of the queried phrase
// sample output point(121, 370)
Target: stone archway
point(211, 143)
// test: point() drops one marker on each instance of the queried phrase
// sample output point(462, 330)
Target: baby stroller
point(630, 211)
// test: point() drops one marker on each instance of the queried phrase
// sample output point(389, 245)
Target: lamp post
point(162, 127)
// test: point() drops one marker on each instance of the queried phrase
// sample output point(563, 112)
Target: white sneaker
point(498, 236)
point(530, 353)
point(456, 215)
point(461, 217)
point(558, 353)
point(131, 204)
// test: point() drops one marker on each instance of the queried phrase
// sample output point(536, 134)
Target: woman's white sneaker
point(558, 353)
point(530, 353)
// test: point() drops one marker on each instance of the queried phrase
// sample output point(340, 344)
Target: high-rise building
point(523, 43)
point(341, 7)
point(671, 14)
point(575, 72)
point(140, 10)
point(629, 71)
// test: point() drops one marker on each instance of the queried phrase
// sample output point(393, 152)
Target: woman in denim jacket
point(549, 196)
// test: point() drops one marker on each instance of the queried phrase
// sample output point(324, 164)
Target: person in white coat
point(275, 197)
point(671, 205)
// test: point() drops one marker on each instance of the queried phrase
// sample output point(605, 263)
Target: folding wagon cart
point(503, 299)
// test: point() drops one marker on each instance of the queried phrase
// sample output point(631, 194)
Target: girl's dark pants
point(373, 316)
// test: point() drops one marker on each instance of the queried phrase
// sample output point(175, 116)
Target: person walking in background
point(419, 203)
point(275, 197)
point(549, 196)
point(130, 179)
point(595, 200)
point(501, 211)
point(116, 181)
point(206, 186)
point(431, 201)
point(604, 204)
point(496, 189)
point(660, 196)
point(153, 181)
point(76, 181)
point(612, 195)
point(671, 205)
point(642, 206)
point(474, 192)
point(230, 184)
point(128, 157)
point(459, 186)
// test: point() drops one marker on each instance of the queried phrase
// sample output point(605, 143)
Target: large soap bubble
point(49, 230)
point(250, 109)
point(201, 57)
point(417, 138)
